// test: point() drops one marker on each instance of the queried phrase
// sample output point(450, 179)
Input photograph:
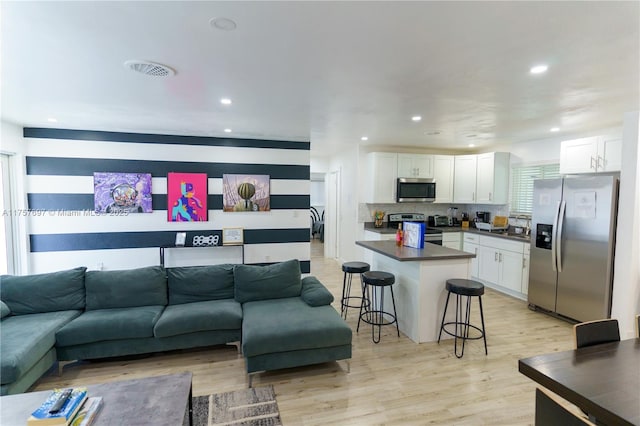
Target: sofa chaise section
point(288, 321)
point(34, 308)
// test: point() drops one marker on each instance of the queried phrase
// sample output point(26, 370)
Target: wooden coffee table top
point(160, 400)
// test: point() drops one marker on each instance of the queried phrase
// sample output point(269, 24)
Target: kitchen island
point(421, 275)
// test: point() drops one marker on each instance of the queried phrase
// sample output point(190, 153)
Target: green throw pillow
point(314, 293)
point(275, 281)
point(4, 310)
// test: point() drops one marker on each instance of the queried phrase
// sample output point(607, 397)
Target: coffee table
point(160, 400)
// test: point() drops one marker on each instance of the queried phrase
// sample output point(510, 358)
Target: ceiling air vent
point(149, 68)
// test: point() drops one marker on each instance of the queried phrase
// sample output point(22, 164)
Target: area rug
point(247, 407)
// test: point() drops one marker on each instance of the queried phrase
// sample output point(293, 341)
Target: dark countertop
point(403, 254)
point(368, 226)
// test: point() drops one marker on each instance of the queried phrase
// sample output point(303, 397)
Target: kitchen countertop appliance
point(438, 220)
point(572, 246)
point(431, 235)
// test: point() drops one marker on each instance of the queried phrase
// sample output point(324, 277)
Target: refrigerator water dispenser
point(543, 236)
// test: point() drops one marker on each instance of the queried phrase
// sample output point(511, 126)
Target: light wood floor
point(396, 382)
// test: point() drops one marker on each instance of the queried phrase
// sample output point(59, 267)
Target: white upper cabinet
point(443, 176)
point(492, 184)
point(481, 179)
point(415, 166)
point(609, 155)
point(464, 181)
point(590, 155)
point(382, 175)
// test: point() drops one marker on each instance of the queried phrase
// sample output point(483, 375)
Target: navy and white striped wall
point(59, 182)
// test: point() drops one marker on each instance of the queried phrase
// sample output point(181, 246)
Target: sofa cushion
point(27, 338)
point(4, 310)
point(109, 324)
point(54, 291)
point(281, 325)
point(126, 288)
point(275, 281)
point(209, 315)
point(199, 283)
point(314, 293)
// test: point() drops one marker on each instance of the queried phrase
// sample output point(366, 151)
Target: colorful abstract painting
point(187, 197)
point(245, 193)
point(122, 192)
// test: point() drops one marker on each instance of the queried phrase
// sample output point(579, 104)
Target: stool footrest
point(462, 325)
point(378, 314)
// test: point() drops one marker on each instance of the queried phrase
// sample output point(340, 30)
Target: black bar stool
point(463, 287)
point(350, 268)
point(372, 312)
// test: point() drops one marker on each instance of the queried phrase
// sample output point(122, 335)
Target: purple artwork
point(122, 192)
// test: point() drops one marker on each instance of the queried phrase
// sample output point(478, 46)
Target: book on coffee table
point(88, 412)
point(43, 417)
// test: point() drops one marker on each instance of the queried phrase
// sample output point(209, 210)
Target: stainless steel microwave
point(415, 190)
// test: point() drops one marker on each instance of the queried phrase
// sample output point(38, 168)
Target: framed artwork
point(187, 197)
point(115, 192)
point(245, 193)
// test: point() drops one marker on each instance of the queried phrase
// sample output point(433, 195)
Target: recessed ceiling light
point(364, 138)
point(225, 101)
point(539, 69)
point(554, 129)
point(416, 118)
point(52, 120)
point(224, 24)
point(227, 130)
point(471, 145)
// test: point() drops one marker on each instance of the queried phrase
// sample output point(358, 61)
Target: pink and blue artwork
point(115, 192)
point(187, 197)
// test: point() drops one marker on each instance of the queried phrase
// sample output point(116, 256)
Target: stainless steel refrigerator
point(572, 246)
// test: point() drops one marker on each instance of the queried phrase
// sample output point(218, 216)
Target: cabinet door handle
point(524, 263)
point(489, 196)
point(495, 256)
point(593, 163)
point(600, 166)
point(473, 196)
point(500, 257)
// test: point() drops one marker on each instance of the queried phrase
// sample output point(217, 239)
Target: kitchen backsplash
point(365, 211)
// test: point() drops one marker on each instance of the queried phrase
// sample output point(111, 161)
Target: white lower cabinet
point(525, 269)
point(502, 263)
point(470, 245)
point(451, 240)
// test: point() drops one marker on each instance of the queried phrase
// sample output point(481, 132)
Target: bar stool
point(463, 287)
point(350, 268)
point(372, 312)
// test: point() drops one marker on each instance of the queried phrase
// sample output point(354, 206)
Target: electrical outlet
point(99, 266)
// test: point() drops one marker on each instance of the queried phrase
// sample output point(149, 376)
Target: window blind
point(522, 178)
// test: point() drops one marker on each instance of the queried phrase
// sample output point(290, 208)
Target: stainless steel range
point(431, 235)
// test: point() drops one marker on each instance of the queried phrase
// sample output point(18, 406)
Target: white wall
point(626, 283)
point(65, 237)
point(12, 143)
point(346, 163)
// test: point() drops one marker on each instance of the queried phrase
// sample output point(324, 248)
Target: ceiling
point(328, 72)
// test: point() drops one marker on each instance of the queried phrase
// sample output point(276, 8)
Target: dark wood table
point(603, 380)
point(160, 400)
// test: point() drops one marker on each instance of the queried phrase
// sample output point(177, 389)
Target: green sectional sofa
point(281, 319)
